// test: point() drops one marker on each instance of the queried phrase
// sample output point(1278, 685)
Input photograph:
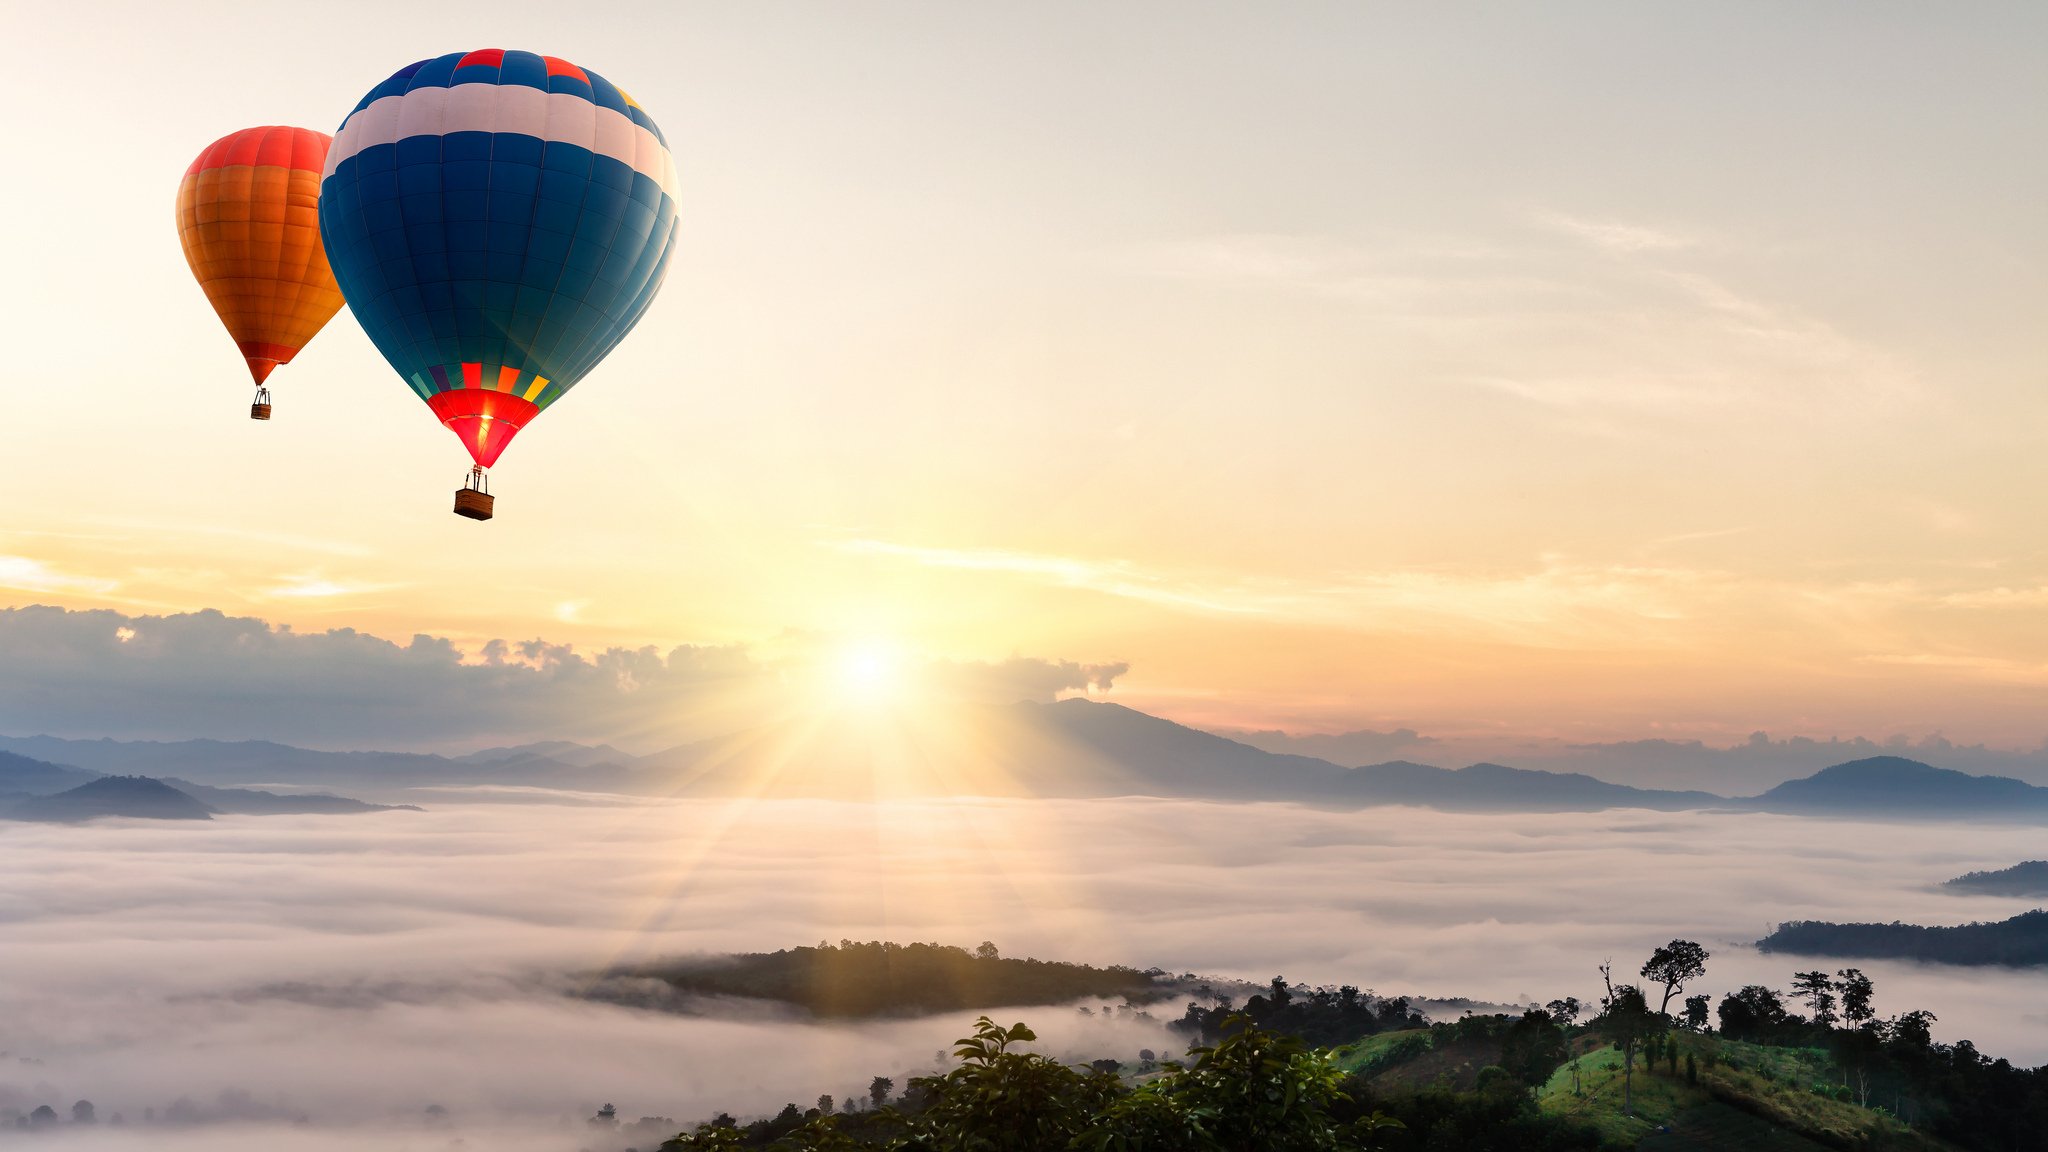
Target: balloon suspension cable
point(479, 480)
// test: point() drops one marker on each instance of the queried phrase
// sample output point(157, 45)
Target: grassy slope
point(1744, 1082)
point(1354, 1056)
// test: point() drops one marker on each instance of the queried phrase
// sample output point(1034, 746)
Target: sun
point(868, 672)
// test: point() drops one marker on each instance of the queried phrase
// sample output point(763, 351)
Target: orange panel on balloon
point(248, 217)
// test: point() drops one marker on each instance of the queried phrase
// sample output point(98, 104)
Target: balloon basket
point(474, 499)
point(260, 410)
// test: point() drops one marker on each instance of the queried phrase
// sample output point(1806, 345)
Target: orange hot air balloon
point(249, 218)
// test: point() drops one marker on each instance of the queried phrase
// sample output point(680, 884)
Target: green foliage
point(1374, 1054)
point(1754, 1013)
point(1880, 1086)
point(879, 977)
point(2019, 942)
point(821, 1134)
point(1003, 1100)
point(1671, 966)
point(1321, 1016)
point(708, 1137)
point(1256, 1090)
point(1627, 1021)
point(1533, 1047)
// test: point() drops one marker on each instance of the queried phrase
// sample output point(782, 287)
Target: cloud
point(104, 673)
point(1624, 328)
point(1617, 236)
point(353, 970)
point(1537, 604)
point(1018, 677)
point(30, 575)
point(313, 586)
point(1113, 577)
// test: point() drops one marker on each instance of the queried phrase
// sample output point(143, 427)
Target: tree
point(1255, 1091)
point(1696, 1012)
point(1627, 1021)
point(986, 950)
point(1855, 989)
point(879, 1089)
point(1751, 1014)
point(1001, 1099)
point(607, 1117)
point(1818, 988)
point(1533, 1047)
point(1565, 1011)
point(1673, 965)
point(1912, 1030)
point(82, 1112)
point(720, 1133)
point(826, 1104)
point(821, 1134)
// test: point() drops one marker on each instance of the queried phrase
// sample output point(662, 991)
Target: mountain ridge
point(1074, 748)
point(139, 797)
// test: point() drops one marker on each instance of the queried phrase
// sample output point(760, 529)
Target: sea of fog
point(314, 980)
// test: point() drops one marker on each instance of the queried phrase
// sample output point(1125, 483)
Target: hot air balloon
point(498, 221)
point(248, 219)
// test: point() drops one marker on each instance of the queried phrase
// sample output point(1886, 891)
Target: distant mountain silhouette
point(136, 796)
point(20, 774)
point(2025, 879)
point(1496, 787)
point(253, 802)
point(1146, 755)
point(243, 763)
point(1165, 758)
point(22, 777)
point(2019, 942)
point(1072, 748)
point(1897, 786)
point(559, 751)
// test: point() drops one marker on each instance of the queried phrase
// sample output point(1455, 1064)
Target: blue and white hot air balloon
point(498, 221)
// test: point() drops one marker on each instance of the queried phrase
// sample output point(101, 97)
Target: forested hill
point(2029, 878)
point(2019, 942)
point(132, 796)
point(881, 978)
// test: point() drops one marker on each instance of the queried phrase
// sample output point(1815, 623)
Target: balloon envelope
point(499, 221)
point(249, 222)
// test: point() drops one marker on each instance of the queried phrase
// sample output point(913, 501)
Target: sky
point(429, 951)
point(1573, 372)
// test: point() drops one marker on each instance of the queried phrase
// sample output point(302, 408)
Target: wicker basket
point(259, 411)
point(473, 504)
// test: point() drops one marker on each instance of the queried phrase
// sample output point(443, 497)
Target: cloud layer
point(356, 969)
point(105, 673)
